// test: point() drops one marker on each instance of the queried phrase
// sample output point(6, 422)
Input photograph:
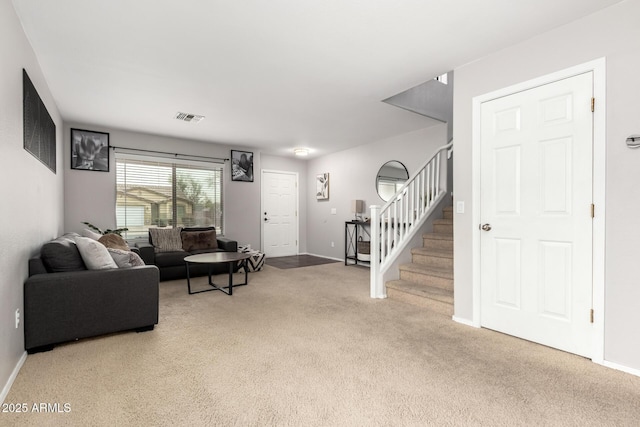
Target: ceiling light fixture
point(300, 151)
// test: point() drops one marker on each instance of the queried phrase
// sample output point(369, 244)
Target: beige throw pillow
point(125, 259)
point(114, 241)
point(94, 254)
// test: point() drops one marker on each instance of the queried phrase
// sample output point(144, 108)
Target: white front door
point(279, 213)
point(536, 195)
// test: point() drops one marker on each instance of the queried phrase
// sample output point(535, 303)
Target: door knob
point(266, 219)
point(486, 227)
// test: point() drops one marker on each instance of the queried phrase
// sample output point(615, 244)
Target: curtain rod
point(171, 154)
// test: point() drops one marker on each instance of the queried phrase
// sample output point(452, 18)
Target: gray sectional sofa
point(63, 301)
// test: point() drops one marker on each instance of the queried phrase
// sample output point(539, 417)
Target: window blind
point(165, 193)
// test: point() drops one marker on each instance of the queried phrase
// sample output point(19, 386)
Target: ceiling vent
point(187, 117)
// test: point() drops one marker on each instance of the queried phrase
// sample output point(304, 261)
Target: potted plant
point(117, 231)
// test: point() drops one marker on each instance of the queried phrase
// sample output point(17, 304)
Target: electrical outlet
point(333, 245)
point(17, 317)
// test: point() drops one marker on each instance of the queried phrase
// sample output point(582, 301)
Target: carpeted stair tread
point(427, 281)
point(447, 221)
point(444, 226)
point(424, 291)
point(434, 252)
point(438, 236)
point(442, 272)
point(448, 212)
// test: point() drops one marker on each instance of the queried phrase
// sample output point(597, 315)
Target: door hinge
point(593, 105)
point(591, 316)
point(593, 210)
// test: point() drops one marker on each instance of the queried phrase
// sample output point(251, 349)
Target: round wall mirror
point(391, 176)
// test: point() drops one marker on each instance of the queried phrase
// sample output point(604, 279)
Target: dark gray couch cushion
point(169, 259)
point(61, 255)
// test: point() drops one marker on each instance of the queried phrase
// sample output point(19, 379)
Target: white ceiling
point(271, 74)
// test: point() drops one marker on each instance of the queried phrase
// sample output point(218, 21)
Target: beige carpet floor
point(308, 347)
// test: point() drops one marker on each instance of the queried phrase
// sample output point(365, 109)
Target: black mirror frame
point(379, 174)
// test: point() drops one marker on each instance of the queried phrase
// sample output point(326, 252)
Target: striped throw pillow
point(166, 239)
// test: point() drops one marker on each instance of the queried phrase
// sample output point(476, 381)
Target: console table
point(353, 230)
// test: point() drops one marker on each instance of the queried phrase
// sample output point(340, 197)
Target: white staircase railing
point(395, 223)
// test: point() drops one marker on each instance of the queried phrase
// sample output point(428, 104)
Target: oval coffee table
point(230, 258)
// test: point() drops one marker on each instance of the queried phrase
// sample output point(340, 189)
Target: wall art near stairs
point(322, 186)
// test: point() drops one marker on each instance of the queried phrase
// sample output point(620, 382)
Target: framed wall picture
point(241, 166)
point(89, 150)
point(322, 186)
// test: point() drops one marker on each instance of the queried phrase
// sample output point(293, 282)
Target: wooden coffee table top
point(215, 257)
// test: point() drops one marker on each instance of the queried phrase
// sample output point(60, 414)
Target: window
point(167, 193)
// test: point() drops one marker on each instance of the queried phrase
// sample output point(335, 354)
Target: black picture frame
point(39, 130)
point(89, 150)
point(241, 166)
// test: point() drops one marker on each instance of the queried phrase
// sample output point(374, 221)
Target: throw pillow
point(91, 234)
point(199, 240)
point(94, 254)
point(62, 255)
point(125, 258)
point(114, 241)
point(166, 239)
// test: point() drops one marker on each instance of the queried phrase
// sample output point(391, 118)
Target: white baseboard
point(463, 321)
point(12, 377)
point(622, 368)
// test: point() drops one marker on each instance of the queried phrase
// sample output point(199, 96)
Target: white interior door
point(536, 195)
point(279, 213)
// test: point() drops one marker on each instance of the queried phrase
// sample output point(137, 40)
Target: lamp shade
point(357, 206)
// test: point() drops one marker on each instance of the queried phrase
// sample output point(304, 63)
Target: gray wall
point(352, 175)
point(299, 166)
point(615, 34)
point(91, 196)
point(431, 98)
point(31, 194)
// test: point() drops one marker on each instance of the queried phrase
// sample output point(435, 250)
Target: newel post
point(376, 277)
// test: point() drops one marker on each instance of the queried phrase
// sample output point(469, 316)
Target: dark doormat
point(296, 261)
